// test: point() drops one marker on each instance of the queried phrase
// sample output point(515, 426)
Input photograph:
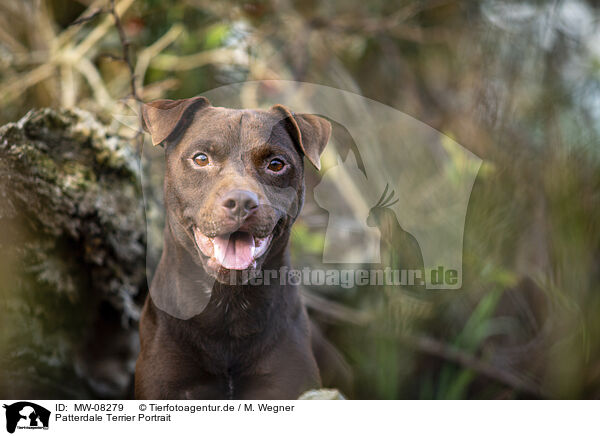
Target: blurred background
point(516, 83)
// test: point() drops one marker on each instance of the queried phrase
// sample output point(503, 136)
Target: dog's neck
point(192, 294)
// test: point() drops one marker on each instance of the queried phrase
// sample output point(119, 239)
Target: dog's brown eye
point(276, 165)
point(201, 159)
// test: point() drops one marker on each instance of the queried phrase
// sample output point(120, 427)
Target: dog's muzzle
point(234, 251)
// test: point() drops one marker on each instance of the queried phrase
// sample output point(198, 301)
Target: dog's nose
point(239, 203)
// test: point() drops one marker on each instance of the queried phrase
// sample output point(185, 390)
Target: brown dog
point(234, 185)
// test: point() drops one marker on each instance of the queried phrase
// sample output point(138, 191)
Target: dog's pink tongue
point(234, 251)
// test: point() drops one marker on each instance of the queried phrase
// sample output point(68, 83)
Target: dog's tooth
point(204, 243)
point(261, 245)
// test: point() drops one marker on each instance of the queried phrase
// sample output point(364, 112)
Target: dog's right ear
point(310, 132)
point(165, 119)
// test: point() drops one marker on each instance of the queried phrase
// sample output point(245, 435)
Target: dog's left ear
point(310, 132)
point(165, 119)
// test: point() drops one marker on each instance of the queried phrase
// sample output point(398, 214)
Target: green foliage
point(522, 94)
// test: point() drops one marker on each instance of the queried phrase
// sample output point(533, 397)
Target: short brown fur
point(249, 342)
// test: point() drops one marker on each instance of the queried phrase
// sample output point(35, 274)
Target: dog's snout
point(240, 203)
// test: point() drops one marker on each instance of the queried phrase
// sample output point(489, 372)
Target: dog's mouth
point(234, 251)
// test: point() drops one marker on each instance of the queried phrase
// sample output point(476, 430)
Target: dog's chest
point(234, 341)
point(230, 356)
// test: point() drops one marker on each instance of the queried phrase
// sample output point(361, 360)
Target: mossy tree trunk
point(72, 258)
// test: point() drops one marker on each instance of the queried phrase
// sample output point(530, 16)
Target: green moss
point(74, 240)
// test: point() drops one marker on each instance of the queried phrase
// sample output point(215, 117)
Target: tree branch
point(126, 57)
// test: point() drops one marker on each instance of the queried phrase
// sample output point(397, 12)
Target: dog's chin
point(231, 258)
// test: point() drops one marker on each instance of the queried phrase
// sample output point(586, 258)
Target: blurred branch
point(190, 62)
point(99, 31)
point(69, 86)
point(125, 43)
point(64, 60)
point(424, 344)
point(394, 25)
point(70, 31)
point(88, 18)
point(149, 53)
point(429, 345)
point(62, 56)
point(8, 39)
point(87, 69)
point(334, 310)
point(156, 90)
point(109, 56)
point(14, 88)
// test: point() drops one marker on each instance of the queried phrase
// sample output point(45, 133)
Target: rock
point(72, 257)
point(322, 394)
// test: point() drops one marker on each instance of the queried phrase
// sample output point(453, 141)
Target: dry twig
point(426, 344)
point(125, 43)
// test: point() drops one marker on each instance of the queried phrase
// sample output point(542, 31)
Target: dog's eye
point(276, 165)
point(201, 160)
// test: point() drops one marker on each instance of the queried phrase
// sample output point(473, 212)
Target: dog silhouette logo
point(398, 247)
point(26, 415)
point(348, 238)
point(372, 145)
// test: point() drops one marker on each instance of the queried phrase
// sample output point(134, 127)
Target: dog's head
point(234, 181)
